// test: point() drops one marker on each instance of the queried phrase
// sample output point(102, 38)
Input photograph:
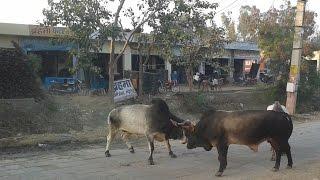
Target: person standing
point(215, 83)
point(196, 78)
point(174, 78)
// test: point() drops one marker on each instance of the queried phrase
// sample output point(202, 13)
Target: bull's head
point(193, 138)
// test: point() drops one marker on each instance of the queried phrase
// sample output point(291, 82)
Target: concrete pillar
point(202, 68)
point(74, 65)
point(318, 65)
point(79, 74)
point(231, 66)
point(294, 77)
point(127, 60)
point(168, 67)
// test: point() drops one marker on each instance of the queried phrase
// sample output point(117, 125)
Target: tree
point(229, 25)
point(84, 18)
point(315, 41)
point(275, 39)
point(188, 36)
point(148, 10)
point(18, 78)
point(276, 31)
point(92, 23)
point(249, 20)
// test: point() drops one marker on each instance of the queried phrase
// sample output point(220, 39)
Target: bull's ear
point(192, 128)
point(174, 123)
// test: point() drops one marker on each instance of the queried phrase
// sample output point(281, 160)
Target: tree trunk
point(111, 70)
point(189, 73)
point(140, 74)
point(112, 58)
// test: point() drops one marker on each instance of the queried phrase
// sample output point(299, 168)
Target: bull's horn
point(184, 123)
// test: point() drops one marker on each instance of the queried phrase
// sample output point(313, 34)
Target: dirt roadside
point(94, 110)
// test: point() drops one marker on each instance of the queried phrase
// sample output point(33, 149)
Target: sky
point(30, 11)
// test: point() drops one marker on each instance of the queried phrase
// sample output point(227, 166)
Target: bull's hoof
point(150, 161)
point(107, 154)
point(172, 155)
point(275, 169)
point(131, 150)
point(289, 166)
point(219, 174)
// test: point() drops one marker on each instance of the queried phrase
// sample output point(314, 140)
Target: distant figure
point(205, 85)
point(174, 78)
point(215, 84)
point(201, 78)
point(65, 82)
point(196, 78)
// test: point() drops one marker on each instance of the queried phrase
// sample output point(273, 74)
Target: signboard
point(123, 89)
point(37, 44)
point(48, 31)
point(242, 54)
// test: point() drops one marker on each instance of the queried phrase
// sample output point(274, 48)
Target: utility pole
point(294, 76)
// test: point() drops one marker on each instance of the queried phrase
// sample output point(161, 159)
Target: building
point(238, 56)
point(56, 57)
point(316, 59)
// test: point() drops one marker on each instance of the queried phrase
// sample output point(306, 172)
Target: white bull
point(155, 121)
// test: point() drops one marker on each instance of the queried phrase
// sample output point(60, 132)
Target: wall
point(14, 29)
point(5, 41)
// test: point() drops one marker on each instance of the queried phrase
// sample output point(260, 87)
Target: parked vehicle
point(69, 86)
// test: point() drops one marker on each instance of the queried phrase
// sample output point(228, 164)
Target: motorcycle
point(69, 86)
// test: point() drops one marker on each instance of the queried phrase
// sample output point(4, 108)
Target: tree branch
point(118, 12)
point(132, 32)
point(122, 31)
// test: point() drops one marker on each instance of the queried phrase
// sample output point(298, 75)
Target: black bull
point(220, 129)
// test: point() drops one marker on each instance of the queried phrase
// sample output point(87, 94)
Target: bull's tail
point(110, 119)
point(288, 118)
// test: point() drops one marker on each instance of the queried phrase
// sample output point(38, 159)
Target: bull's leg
point(288, 152)
point(151, 148)
point(222, 151)
point(278, 159)
point(279, 148)
point(284, 147)
point(171, 154)
point(110, 137)
point(124, 136)
point(273, 156)
point(273, 146)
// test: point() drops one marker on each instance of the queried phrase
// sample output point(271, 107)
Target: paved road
point(90, 163)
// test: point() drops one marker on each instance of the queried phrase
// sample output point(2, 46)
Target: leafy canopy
point(187, 34)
